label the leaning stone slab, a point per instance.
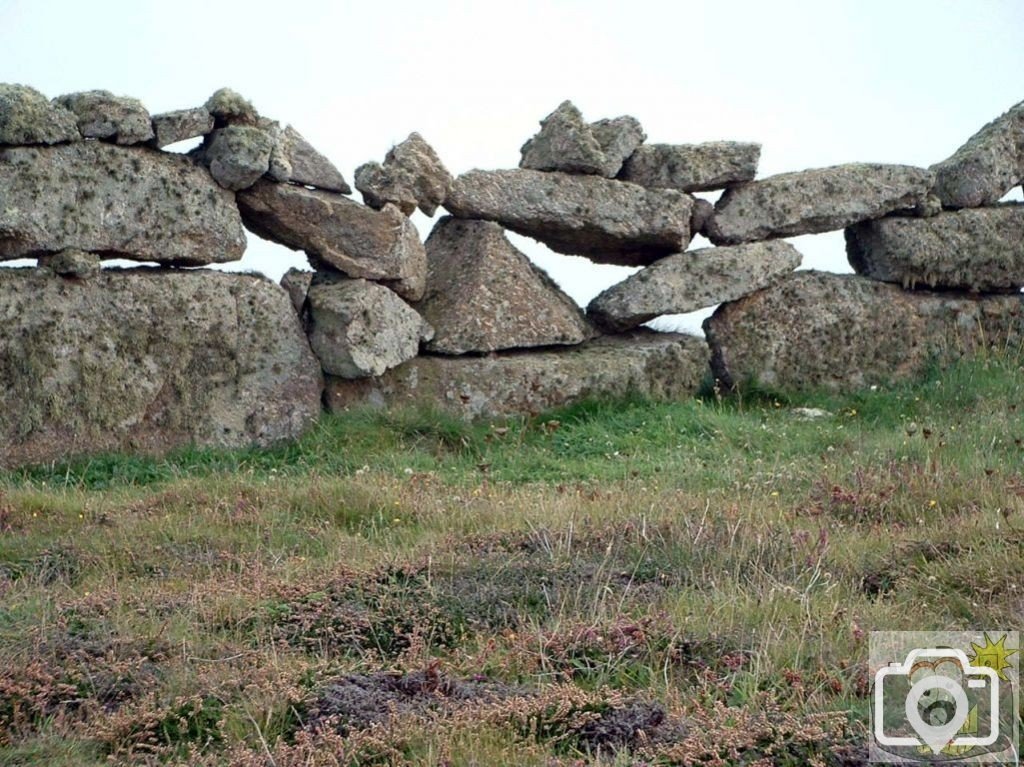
(606, 221)
(358, 328)
(484, 295)
(294, 160)
(102, 115)
(129, 202)
(147, 360)
(692, 167)
(693, 280)
(181, 125)
(339, 233)
(988, 166)
(979, 249)
(296, 283)
(661, 366)
(846, 332)
(28, 117)
(412, 175)
(818, 200)
(619, 138)
(238, 155)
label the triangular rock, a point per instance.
(484, 295)
(566, 143)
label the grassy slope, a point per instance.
(717, 562)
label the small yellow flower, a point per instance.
(933, 503)
(774, 493)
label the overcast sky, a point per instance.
(816, 83)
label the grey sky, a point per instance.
(817, 83)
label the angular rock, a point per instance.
(412, 175)
(619, 138)
(238, 155)
(28, 117)
(985, 168)
(296, 283)
(606, 221)
(484, 295)
(72, 263)
(102, 115)
(129, 202)
(358, 328)
(181, 125)
(661, 366)
(845, 332)
(693, 280)
(231, 108)
(979, 249)
(692, 167)
(339, 233)
(703, 211)
(294, 160)
(148, 360)
(818, 200)
(565, 143)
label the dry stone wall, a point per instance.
(153, 358)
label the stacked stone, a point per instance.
(939, 268)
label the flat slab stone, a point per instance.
(339, 233)
(818, 200)
(978, 249)
(483, 294)
(102, 115)
(662, 366)
(28, 117)
(985, 168)
(692, 167)
(294, 160)
(845, 332)
(127, 202)
(358, 328)
(148, 360)
(693, 280)
(181, 125)
(607, 221)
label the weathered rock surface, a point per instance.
(693, 280)
(846, 332)
(229, 107)
(131, 202)
(296, 283)
(971, 249)
(238, 155)
(484, 295)
(72, 263)
(358, 328)
(564, 143)
(692, 167)
(181, 125)
(148, 360)
(818, 200)
(102, 115)
(339, 233)
(619, 138)
(985, 168)
(28, 117)
(607, 221)
(412, 175)
(662, 366)
(703, 211)
(293, 159)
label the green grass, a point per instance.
(707, 570)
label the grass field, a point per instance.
(617, 583)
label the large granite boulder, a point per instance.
(28, 117)
(483, 295)
(818, 200)
(102, 115)
(148, 360)
(845, 332)
(339, 233)
(607, 221)
(693, 280)
(411, 176)
(129, 202)
(692, 167)
(662, 366)
(971, 249)
(294, 160)
(358, 328)
(237, 155)
(988, 166)
(181, 125)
